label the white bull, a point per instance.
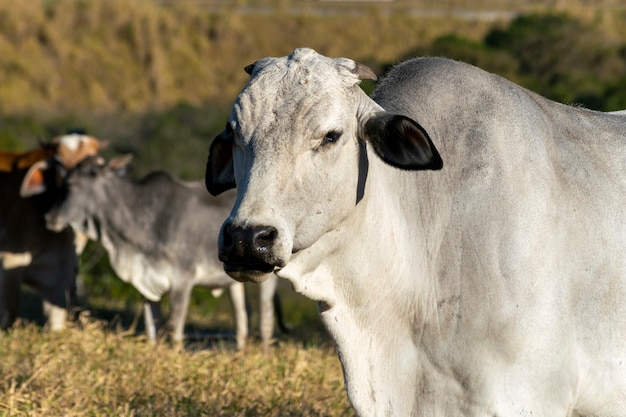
(493, 287)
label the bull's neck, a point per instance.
(123, 218)
(396, 248)
(385, 289)
(384, 250)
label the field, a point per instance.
(156, 78)
(91, 370)
(102, 365)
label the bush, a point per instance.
(176, 140)
(23, 132)
(554, 55)
(561, 58)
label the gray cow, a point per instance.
(156, 232)
(464, 237)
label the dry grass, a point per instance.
(88, 370)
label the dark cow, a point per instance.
(29, 252)
(156, 232)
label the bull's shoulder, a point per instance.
(197, 191)
(159, 188)
(427, 70)
(155, 179)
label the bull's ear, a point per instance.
(257, 65)
(364, 72)
(220, 174)
(402, 142)
(34, 182)
(120, 164)
(249, 69)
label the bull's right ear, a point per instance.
(220, 175)
(119, 164)
(34, 182)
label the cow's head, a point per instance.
(83, 193)
(75, 147)
(293, 147)
(67, 150)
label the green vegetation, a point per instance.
(555, 55)
(103, 56)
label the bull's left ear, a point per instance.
(401, 142)
(34, 182)
(364, 72)
(220, 174)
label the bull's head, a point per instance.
(293, 147)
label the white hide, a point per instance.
(494, 287)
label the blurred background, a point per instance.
(157, 78)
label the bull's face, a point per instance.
(294, 148)
(77, 201)
(84, 193)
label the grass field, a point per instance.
(102, 364)
(91, 370)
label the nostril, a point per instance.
(264, 237)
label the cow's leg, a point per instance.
(10, 286)
(237, 297)
(152, 319)
(179, 304)
(55, 314)
(266, 313)
(55, 303)
(55, 281)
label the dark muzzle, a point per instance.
(248, 250)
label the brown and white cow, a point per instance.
(29, 252)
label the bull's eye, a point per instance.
(331, 137)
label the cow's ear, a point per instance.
(220, 174)
(401, 142)
(120, 164)
(249, 69)
(257, 65)
(364, 72)
(34, 181)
